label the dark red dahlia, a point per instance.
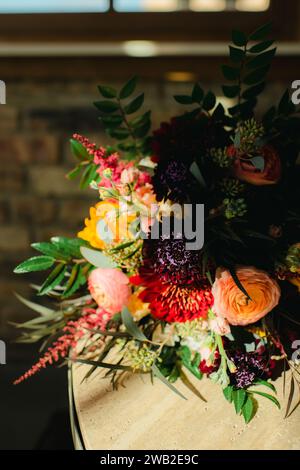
(171, 302)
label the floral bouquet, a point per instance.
(189, 262)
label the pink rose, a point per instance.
(231, 303)
(109, 288)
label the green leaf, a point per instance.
(248, 409)
(74, 173)
(184, 99)
(79, 151)
(239, 38)
(88, 175)
(75, 280)
(160, 376)
(140, 120)
(261, 33)
(112, 121)
(96, 258)
(143, 130)
(239, 397)
(135, 104)
(128, 88)
(266, 384)
(37, 263)
(253, 91)
(190, 386)
(44, 311)
(269, 116)
(104, 365)
(106, 106)
(236, 55)
(69, 247)
(258, 162)
(269, 397)
(48, 249)
(230, 73)
(53, 279)
(209, 101)
(231, 91)
(261, 59)
(131, 326)
(120, 133)
(260, 47)
(228, 393)
(197, 93)
(284, 104)
(195, 170)
(291, 396)
(256, 76)
(219, 112)
(107, 91)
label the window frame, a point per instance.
(118, 26)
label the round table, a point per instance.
(143, 416)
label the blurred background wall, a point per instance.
(51, 64)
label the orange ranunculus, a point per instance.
(245, 171)
(231, 303)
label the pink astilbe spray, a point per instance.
(74, 331)
(112, 162)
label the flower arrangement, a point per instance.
(228, 308)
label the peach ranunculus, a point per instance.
(231, 303)
(109, 288)
(245, 171)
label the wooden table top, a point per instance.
(145, 416)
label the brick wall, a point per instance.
(36, 201)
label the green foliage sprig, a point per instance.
(116, 116)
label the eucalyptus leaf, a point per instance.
(131, 326)
(258, 162)
(96, 258)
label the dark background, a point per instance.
(50, 91)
